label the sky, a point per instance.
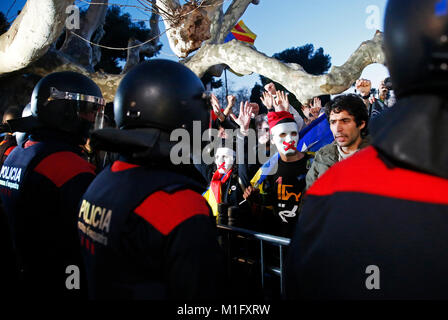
(339, 27)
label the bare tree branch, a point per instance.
(74, 45)
(133, 57)
(232, 15)
(244, 59)
(148, 49)
(215, 13)
(187, 26)
(39, 24)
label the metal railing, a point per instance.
(263, 239)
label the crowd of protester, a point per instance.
(92, 188)
(244, 193)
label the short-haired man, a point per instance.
(348, 117)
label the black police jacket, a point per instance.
(146, 234)
(40, 188)
(374, 226)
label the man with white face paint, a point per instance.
(228, 180)
(283, 189)
(224, 160)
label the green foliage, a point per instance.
(119, 28)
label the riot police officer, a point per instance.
(43, 180)
(146, 231)
(374, 226)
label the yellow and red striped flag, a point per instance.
(242, 33)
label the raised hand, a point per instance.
(267, 99)
(317, 106)
(231, 100)
(244, 117)
(282, 102)
(363, 86)
(217, 107)
(270, 87)
(255, 108)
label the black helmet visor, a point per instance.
(89, 108)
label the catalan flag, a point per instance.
(213, 193)
(242, 33)
(270, 167)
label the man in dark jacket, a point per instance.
(374, 226)
(43, 181)
(145, 229)
(348, 122)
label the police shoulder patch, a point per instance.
(165, 211)
(62, 166)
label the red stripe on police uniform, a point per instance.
(60, 167)
(8, 151)
(364, 172)
(121, 166)
(165, 211)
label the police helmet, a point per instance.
(160, 94)
(416, 45)
(68, 102)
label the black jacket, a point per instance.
(374, 226)
(41, 185)
(146, 233)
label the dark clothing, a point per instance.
(40, 187)
(374, 226)
(8, 268)
(147, 234)
(231, 190)
(376, 108)
(6, 146)
(283, 191)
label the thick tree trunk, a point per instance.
(77, 47)
(245, 59)
(187, 33)
(38, 25)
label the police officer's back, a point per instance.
(374, 226)
(43, 180)
(146, 231)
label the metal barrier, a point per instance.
(263, 239)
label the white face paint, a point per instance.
(285, 137)
(224, 156)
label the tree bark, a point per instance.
(25, 43)
(78, 48)
(38, 25)
(187, 26)
(245, 59)
(148, 49)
